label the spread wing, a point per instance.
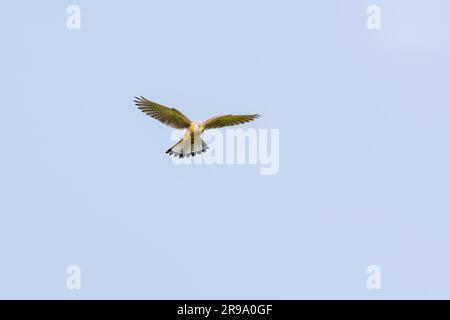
(170, 116)
(228, 120)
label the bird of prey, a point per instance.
(191, 143)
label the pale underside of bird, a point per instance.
(191, 143)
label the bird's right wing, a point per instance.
(169, 116)
(228, 120)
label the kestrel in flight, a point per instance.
(191, 143)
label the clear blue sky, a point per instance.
(364, 154)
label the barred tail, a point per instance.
(188, 147)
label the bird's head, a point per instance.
(199, 126)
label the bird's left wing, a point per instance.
(169, 116)
(228, 120)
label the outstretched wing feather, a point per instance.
(169, 116)
(228, 120)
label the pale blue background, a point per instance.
(364, 152)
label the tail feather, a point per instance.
(187, 148)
